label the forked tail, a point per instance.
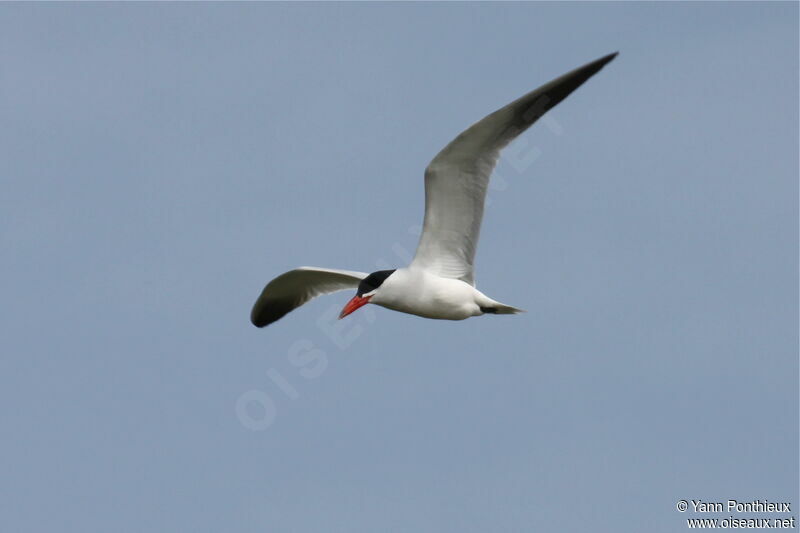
(497, 308)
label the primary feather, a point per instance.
(457, 178)
(292, 289)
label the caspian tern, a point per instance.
(439, 282)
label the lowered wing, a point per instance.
(292, 289)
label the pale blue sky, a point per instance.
(162, 162)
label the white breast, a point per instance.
(415, 291)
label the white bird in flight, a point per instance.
(439, 282)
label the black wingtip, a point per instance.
(576, 77)
(605, 59)
(256, 319)
(263, 315)
(266, 312)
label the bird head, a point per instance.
(368, 287)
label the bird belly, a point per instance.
(431, 297)
(432, 311)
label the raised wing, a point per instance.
(457, 178)
(294, 288)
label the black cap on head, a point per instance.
(373, 281)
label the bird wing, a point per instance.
(292, 289)
(457, 178)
